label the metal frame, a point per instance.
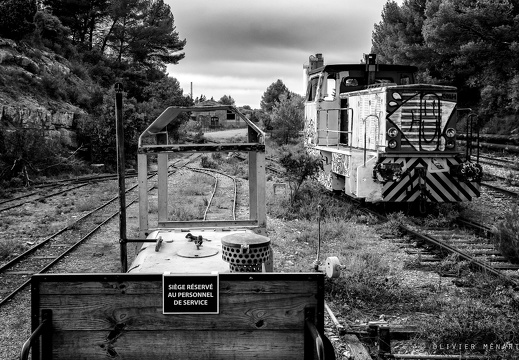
(255, 146)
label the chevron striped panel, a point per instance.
(440, 186)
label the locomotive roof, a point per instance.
(362, 67)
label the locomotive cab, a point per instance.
(384, 138)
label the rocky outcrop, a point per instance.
(21, 110)
(56, 125)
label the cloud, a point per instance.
(239, 48)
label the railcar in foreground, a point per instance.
(196, 289)
(384, 138)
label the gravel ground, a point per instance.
(101, 254)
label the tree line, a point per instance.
(471, 44)
(103, 42)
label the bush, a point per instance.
(299, 166)
(311, 195)
(207, 163)
(28, 153)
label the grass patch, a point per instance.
(198, 184)
(188, 210)
(482, 317)
(10, 247)
(86, 204)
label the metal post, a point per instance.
(384, 340)
(121, 174)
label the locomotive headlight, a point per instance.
(392, 132)
(450, 132)
(392, 144)
(450, 144)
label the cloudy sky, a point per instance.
(239, 48)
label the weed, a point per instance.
(207, 163)
(510, 178)
(413, 263)
(188, 212)
(153, 208)
(507, 235)
(394, 224)
(451, 265)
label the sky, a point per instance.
(238, 48)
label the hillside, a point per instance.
(32, 91)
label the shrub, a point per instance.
(207, 163)
(311, 196)
(299, 166)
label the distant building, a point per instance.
(217, 118)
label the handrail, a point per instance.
(34, 336)
(365, 133)
(321, 344)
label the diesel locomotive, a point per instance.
(384, 138)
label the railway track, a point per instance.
(223, 185)
(46, 190)
(465, 241)
(35, 196)
(15, 273)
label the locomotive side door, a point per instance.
(310, 130)
(328, 110)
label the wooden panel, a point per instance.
(262, 316)
(184, 345)
(294, 283)
(144, 312)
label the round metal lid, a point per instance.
(250, 239)
(190, 251)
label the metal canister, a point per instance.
(246, 252)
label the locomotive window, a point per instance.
(351, 84)
(312, 89)
(330, 89)
(405, 80)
